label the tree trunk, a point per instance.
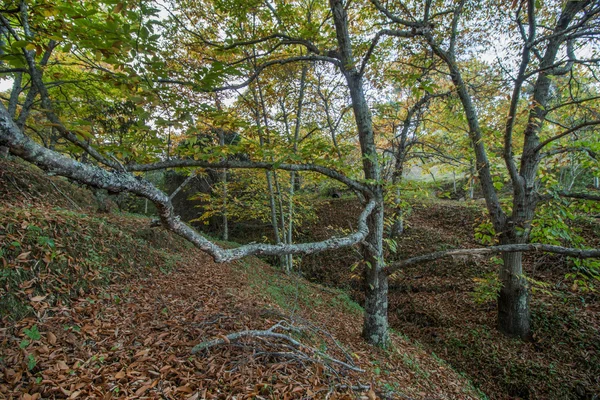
(398, 225)
(513, 302)
(375, 327)
(223, 179)
(224, 206)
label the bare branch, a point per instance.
(507, 248)
(270, 333)
(565, 133)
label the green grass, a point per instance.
(344, 301)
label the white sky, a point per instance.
(5, 84)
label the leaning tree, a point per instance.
(229, 45)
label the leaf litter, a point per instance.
(129, 333)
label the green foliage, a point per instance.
(33, 333)
(344, 301)
(484, 232)
(31, 362)
(556, 224)
(486, 288)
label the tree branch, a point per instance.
(394, 18)
(270, 333)
(508, 248)
(177, 163)
(257, 72)
(565, 133)
(562, 150)
(288, 40)
(582, 196)
(117, 181)
(385, 32)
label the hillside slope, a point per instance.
(449, 305)
(102, 306)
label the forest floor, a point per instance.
(103, 306)
(448, 306)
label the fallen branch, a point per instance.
(270, 333)
(64, 195)
(507, 248)
(250, 333)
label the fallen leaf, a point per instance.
(185, 389)
(371, 394)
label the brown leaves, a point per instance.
(133, 339)
(51, 337)
(140, 345)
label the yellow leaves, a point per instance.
(49, 12)
(84, 131)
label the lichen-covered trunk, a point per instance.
(513, 302)
(375, 328)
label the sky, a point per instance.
(5, 84)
